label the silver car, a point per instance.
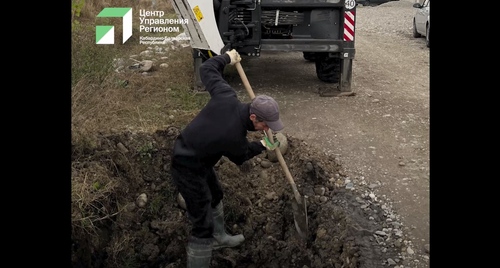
(422, 20)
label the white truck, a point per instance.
(324, 30)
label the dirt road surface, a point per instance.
(381, 135)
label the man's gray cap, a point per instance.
(267, 108)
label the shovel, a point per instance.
(299, 203)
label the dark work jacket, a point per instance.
(220, 129)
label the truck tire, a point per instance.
(328, 69)
(309, 56)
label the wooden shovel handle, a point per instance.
(296, 193)
(245, 80)
(270, 134)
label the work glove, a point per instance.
(234, 55)
(266, 142)
(246, 166)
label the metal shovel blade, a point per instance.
(300, 216)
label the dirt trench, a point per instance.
(348, 225)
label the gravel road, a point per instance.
(380, 135)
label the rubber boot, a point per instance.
(199, 252)
(223, 239)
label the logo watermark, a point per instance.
(158, 40)
(150, 21)
(105, 34)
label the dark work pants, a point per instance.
(201, 190)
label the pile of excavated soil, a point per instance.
(143, 225)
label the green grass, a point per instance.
(106, 101)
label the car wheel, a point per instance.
(415, 33)
(427, 43)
